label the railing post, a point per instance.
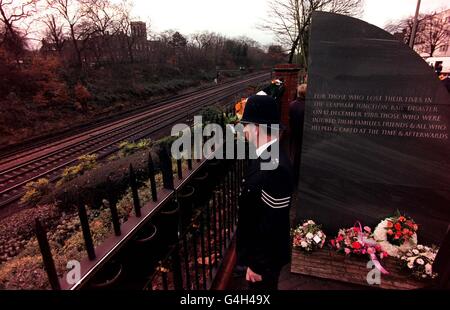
(215, 223)
(113, 208)
(186, 262)
(176, 267)
(151, 174)
(134, 190)
(84, 222)
(179, 169)
(202, 249)
(194, 251)
(166, 169)
(47, 257)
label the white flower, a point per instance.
(304, 244)
(320, 234)
(420, 247)
(317, 239)
(311, 222)
(428, 269)
(410, 264)
(420, 261)
(415, 252)
(309, 236)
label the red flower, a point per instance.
(356, 245)
(398, 234)
(405, 231)
(409, 223)
(398, 226)
(389, 224)
(402, 219)
(333, 242)
(390, 232)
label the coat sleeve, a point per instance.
(272, 241)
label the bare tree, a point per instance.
(74, 14)
(433, 34)
(105, 19)
(13, 12)
(124, 27)
(54, 32)
(289, 20)
(404, 27)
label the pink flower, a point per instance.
(368, 229)
(347, 251)
(371, 251)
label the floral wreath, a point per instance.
(396, 235)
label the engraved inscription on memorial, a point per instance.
(399, 116)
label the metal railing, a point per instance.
(175, 241)
(194, 260)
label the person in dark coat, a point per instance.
(263, 232)
(296, 121)
(446, 81)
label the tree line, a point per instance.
(433, 32)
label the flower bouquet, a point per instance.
(308, 236)
(396, 234)
(358, 241)
(419, 261)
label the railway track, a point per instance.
(47, 160)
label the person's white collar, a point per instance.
(264, 147)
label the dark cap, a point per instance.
(261, 109)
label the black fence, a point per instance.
(176, 241)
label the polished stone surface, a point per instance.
(376, 136)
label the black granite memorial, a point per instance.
(376, 135)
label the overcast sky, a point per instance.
(240, 17)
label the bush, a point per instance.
(24, 273)
(86, 163)
(210, 114)
(34, 191)
(93, 185)
(127, 148)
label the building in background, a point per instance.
(107, 48)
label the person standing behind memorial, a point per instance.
(445, 78)
(296, 120)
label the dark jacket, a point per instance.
(263, 232)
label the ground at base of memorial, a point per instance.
(292, 281)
